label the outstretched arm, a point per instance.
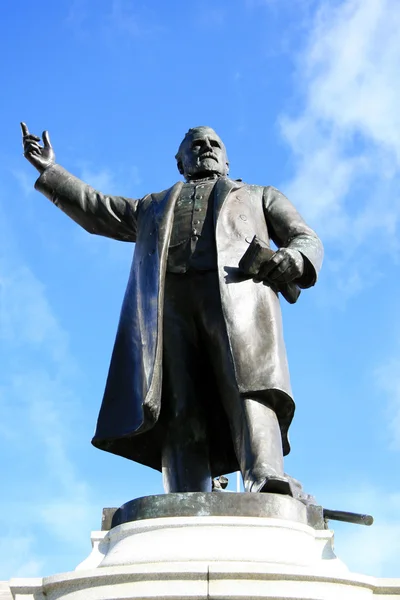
(110, 216)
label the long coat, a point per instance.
(130, 411)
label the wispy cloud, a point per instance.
(18, 556)
(24, 181)
(77, 14)
(111, 182)
(346, 146)
(388, 379)
(369, 550)
(211, 16)
(124, 17)
(39, 418)
(123, 181)
(111, 17)
(344, 137)
(100, 179)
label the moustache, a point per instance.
(208, 155)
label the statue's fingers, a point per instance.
(46, 139)
(35, 138)
(32, 147)
(30, 139)
(24, 129)
(269, 267)
(288, 275)
(29, 153)
(271, 264)
(275, 273)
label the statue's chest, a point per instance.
(193, 211)
(242, 213)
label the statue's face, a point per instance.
(202, 153)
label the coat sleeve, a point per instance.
(287, 229)
(110, 216)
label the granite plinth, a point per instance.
(196, 581)
(208, 555)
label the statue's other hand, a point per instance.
(40, 157)
(284, 266)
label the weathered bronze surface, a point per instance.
(347, 517)
(198, 383)
(199, 504)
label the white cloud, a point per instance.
(388, 379)
(25, 315)
(122, 182)
(345, 136)
(18, 557)
(102, 179)
(24, 181)
(370, 550)
(352, 64)
(39, 421)
(111, 182)
(127, 19)
(67, 517)
(114, 17)
(373, 550)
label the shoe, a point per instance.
(273, 485)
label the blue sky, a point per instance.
(306, 96)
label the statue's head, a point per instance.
(202, 153)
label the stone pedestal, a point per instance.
(210, 546)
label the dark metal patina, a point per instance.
(200, 504)
(198, 383)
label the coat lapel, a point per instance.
(223, 188)
(164, 217)
(164, 209)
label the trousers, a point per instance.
(200, 397)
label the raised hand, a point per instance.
(284, 266)
(40, 157)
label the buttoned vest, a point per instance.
(192, 244)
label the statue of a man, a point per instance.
(198, 384)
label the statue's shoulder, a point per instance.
(159, 196)
(267, 191)
(252, 188)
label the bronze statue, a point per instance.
(198, 384)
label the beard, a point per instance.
(202, 166)
(208, 164)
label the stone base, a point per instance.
(211, 556)
(216, 539)
(198, 581)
